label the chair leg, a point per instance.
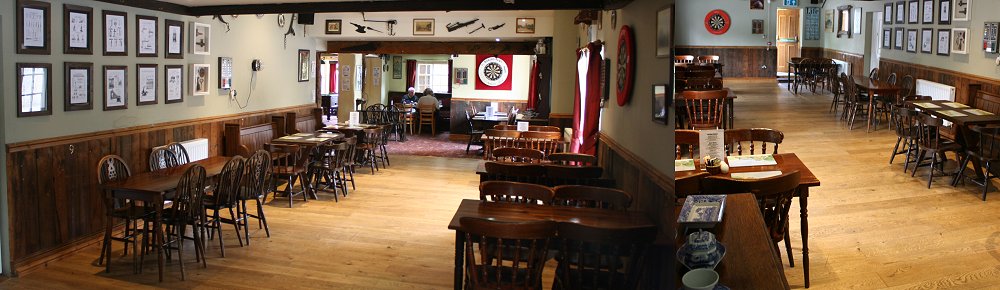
(961, 170)
(895, 149)
(236, 225)
(788, 249)
(930, 175)
(916, 163)
(986, 180)
(261, 217)
(218, 228)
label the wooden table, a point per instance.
(874, 87)
(965, 136)
(521, 212)
(151, 188)
(787, 162)
(750, 261)
(308, 139)
(728, 113)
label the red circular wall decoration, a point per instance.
(717, 22)
(626, 64)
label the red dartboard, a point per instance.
(626, 65)
(717, 22)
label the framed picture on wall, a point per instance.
(911, 40)
(200, 73)
(664, 32)
(115, 25)
(928, 11)
(887, 13)
(34, 89)
(145, 84)
(661, 105)
(901, 12)
(844, 21)
(913, 12)
(757, 26)
(423, 26)
(927, 40)
(115, 82)
(201, 38)
(887, 38)
(173, 78)
(856, 15)
(756, 4)
(33, 27)
(78, 28)
(397, 67)
(79, 91)
(333, 26)
(145, 35)
(174, 39)
(961, 10)
(461, 76)
(960, 40)
(944, 41)
(525, 25)
(944, 12)
(303, 65)
(899, 38)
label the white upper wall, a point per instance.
(404, 25)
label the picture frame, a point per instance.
(911, 40)
(913, 12)
(829, 21)
(960, 40)
(397, 67)
(756, 4)
(146, 84)
(303, 72)
(225, 73)
(990, 36)
(200, 74)
(928, 12)
(887, 13)
(461, 76)
(757, 26)
(37, 100)
(845, 21)
(34, 27)
(664, 32)
(79, 90)
(901, 12)
(944, 12)
(944, 42)
(114, 26)
(201, 38)
(334, 26)
(78, 29)
(899, 38)
(661, 103)
(173, 39)
(115, 87)
(962, 10)
(856, 25)
(927, 40)
(887, 38)
(525, 25)
(423, 26)
(173, 80)
(146, 28)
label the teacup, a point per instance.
(700, 279)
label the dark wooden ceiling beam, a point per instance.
(430, 47)
(152, 5)
(404, 5)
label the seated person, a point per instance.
(411, 96)
(429, 100)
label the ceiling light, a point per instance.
(498, 39)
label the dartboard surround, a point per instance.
(717, 22)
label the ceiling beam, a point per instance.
(404, 5)
(152, 5)
(430, 47)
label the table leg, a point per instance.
(804, 222)
(459, 257)
(157, 236)
(871, 109)
(732, 112)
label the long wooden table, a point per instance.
(521, 212)
(965, 136)
(787, 162)
(309, 139)
(751, 261)
(874, 88)
(151, 188)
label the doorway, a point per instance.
(788, 42)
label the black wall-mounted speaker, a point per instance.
(307, 18)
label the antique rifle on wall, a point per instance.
(497, 27)
(459, 25)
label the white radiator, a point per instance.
(936, 91)
(845, 67)
(197, 149)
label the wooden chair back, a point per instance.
(520, 172)
(180, 152)
(683, 59)
(708, 59)
(256, 175)
(511, 154)
(591, 197)
(515, 192)
(704, 108)
(602, 258)
(774, 196)
(929, 132)
(701, 84)
(687, 143)
(904, 121)
(112, 168)
(577, 159)
(873, 74)
(850, 90)
(906, 85)
(547, 142)
(892, 79)
(533, 128)
(757, 139)
(161, 158)
(230, 182)
(289, 159)
(497, 139)
(506, 255)
(987, 102)
(189, 195)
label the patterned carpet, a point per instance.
(425, 145)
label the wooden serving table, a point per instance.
(522, 212)
(787, 162)
(151, 188)
(751, 261)
(874, 88)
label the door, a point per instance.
(788, 37)
(874, 43)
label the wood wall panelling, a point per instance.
(739, 61)
(857, 61)
(431, 47)
(959, 80)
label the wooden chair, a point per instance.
(904, 121)
(515, 192)
(906, 86)
(520, 172)
(256, 178)
(689, 185)
(601, 258)
(547, 142)
(161, 158)
(704, 108)
(701, 84)
(837, 89)
(574, 175)
(687, 143)
(475, 135)
(526, 155)
(406, 116)
(774, 196)
(290, 168)
(328, 163)
(225, 196)
(930, 141)
(506, 255)
(757, 139)
(497, 139)
(591, 197)
(427, 118)
(180, 152)
(873, 74)
(187, 210)
(370, 149)
(349, 162)
(113, 168)
(708, 59)
(577, 159)
(987, 102)
(854, 103)
(987, 152)
(892, 79)
(683, 59)
(533, 128)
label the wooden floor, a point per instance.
(872, 227)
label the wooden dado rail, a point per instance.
(55, 204)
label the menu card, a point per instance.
(317, 139)
(302, 134)
(952, 113)
(354, 119)
(712, 143)
(522, 126)
(955, 105)
(978, 112)
(927, 105)
(751, 160)
(290, 138)
(755, 175)
(684, 165)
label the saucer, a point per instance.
(684, 256)
(717, 287)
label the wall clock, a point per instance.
(493, 71)
(717, 22)
(626, 64)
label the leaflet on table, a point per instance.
(755, 175)
(684, 165)
(752, 160)
(712, 143)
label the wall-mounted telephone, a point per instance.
(256, 65)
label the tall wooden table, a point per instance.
(787, 162)
(874, 88)
(965, 136)
(151, 188)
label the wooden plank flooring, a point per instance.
(872, 227)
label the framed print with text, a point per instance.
(115, 84)
(944, 12)
(145, 35)
(887, 38)
(913, 12)
(79, 90)
(173, 42)
(901, 12)
(115, 38)
(201, 38)
(34, 89)
(960, 40)
(397, 67)
(927, 40)
(911, 40)
(78, 29)
(200, 72)
(303, 71)
(173, 80)
(928, 11)
(145, 85)
(661, 107)
(225, 73)
(943, 41)
(899, 38)
(961, 10)
(34, 27)
(887, 13)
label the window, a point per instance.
(432, 75)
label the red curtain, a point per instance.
(333, 77)
(532, 85)
(587, 102)
(411, 74)
(450, 77)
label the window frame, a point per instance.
(431, 76)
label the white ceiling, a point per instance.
(245, 2)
